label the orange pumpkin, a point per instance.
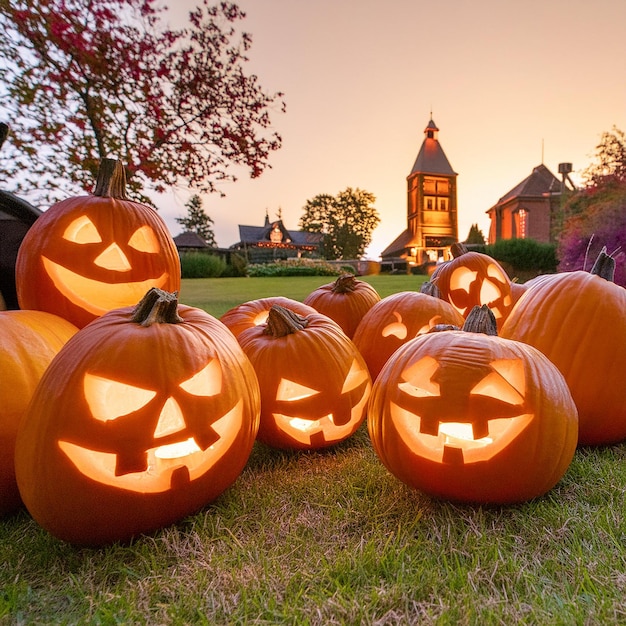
(578, 320)
(314, 383)
(89, 254)
(472, 417)
(28, 342)
(396, 319)
(346, 300)
(472, 279)
(255, 312)
(145, 415)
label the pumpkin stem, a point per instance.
(604, 266)
(157, 307)
(481, 320)
(111, 182)
(282, 322)
(457, 249)
(346, 283)
(430, 289)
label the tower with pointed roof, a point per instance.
(431, 207)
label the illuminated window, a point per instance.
(429, 204)
(443, 204)
(523, 217)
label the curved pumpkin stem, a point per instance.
(430, 289)
(346, 283)
(604, 266)
(111, 182)
(157, 307)
(282, 322)
(458, 249)
(481, 320)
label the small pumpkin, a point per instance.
(472, 417)
(255, 312)
(145, 415)
(396, 319)
(89, 254)
(28, 342)
(314, 382)
(346, 300)
(472, 279)
(578, 320)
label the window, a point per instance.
(523, 223)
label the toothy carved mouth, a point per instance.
(169, 467)
(94, 296)
(454, 442)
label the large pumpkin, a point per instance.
(346, 300)
(145, 415)
(28, 342)
(473, 417)
(255, 312)
(578, 320)
(314, 383)
(396, 319)
(89, 254)
(472, 279)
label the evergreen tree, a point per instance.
(197, 221)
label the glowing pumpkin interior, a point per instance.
(453, 418)
(175, 456)
(399, 329)
(301, 418)
(97, 296)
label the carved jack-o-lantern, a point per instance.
(87, 255)
(472, 279)
(314, 383)
(255, 312)
(471, 417)
(396, 319)
(146, 416)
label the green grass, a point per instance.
(330, 537)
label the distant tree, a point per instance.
(610, 159)
(80, 81)
(597, 219)
(346, 220)
(197, 221)
(475, 235)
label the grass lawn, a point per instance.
(330, 537)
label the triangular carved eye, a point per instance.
(144, 240)
(82, 230)
(507, 382)
(417, 379)
(109, 399)
(207, 382)
(288, 390)
(356, 376)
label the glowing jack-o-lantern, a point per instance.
(473, 417)
(396, 319)
(346, 300)
(255, 312)
(89, 254)
(314, 383)
(28, 342)
(145, 416)
(472, 279)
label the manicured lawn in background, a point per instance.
(330, 537)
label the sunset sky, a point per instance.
(510, 85)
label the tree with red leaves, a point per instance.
(81, 80)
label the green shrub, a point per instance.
(294, 267)
(524, 255)
(201, 265)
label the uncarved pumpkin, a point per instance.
(346, 300)
(28, 342)
(89, 254)
(314, 382)
(146, 415)
(472, 417)
(578, 320)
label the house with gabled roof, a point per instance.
(431, 207)
(530, 209)
(273, 241)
